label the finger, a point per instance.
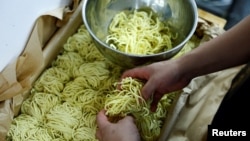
(98, 134)
(135, 73)
(102, 119)
(148, 90)
(156, 98)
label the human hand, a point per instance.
(124, 130)
(161, 78)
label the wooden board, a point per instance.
(221, 22)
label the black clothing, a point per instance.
(233, 113)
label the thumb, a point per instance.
(127, 119)
(102, 119)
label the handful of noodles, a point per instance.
(139, 32)
(128, 101)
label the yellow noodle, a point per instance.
(79, 41)
(92, 75)
(39, 104)
(86, 128)
(66, 98)
(25, 127)
(68, 61)
(97, 68)
(125, 101)
(82, 44)
(85, 97)
(91, 54)
(149, 127)
(29, 107)
(128, 100)
(63, 119)
(52, 81)
(70, 90)
(85, 134)
(88, 97)
(138, 32)
(88, 120)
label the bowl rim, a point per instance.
(179, 46)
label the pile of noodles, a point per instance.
(140, 33)
(66, 98)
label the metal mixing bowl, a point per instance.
(97, 15)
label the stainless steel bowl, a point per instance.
(97, 15)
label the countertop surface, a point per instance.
(17, 20)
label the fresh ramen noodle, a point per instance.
(140, 33)
(129, 101)
(80, 82)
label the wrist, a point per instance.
(185, 68)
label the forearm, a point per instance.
(228, 50)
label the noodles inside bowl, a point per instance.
(140, 32)
(135, 32)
